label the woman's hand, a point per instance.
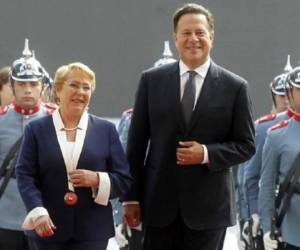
(44, 226)
(84, 178)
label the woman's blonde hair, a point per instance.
(64, 71)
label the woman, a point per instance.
(70, 165)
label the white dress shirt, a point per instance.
(199, 79)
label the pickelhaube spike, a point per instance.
(167, 51)
(167, 56)
(288, 67)
(26, 68)
(26, 52)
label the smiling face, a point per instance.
(75, 93)
(193, 39)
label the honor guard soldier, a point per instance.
(252, 168)
(280, 211)
(27, 80)
(6, 95)
(135, 236)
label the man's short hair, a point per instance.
(192, 8)
(4, 76)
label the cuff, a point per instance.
(130, 203)
(31, 217)
(102, 197)
(205, 158)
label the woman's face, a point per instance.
(75, 94)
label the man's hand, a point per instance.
(269, 244)
(84, 178)
(120, 237)
(44, 226)
(255, 227)
(256, 224)
(132, 214)
(245, 232)
(189, 153)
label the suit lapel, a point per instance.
(207, 93)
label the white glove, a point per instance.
(241, 244)
(245, 231)
(256, 224)
(255, 227)
(269, 243)
(120, 237)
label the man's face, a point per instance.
(296, 99)
(282, 103)
(6, 94)
(27, 94)
(193, 39)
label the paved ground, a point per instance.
(230, 240)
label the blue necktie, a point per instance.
(188, 98)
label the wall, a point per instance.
(118, 39)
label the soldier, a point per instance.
(27, 77)
(279, 153)
(252, 168)
(6, 95)
(134, 236)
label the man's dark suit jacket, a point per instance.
(222, 120)
(42, 178)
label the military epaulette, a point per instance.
(3, 110)
(50, 107)
(266, 118)
(280, 124)
(129, 111)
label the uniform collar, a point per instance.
(296, 117)
(24, 111)
(290, 112)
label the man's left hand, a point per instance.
(189, 153)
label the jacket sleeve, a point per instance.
(26, 171)
(239, 146)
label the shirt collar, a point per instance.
(59, 125)
(201, 70)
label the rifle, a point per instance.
(255, 242)
(282, 201)
(7, 170)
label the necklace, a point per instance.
(70, 129)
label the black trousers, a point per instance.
(39, 244)
(285, 246)
(177, 236)
(12, 240)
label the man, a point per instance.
(183, 183)
(134, 235)
(280, 152)
(6, 95)
(252, 168)
(26, 77)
